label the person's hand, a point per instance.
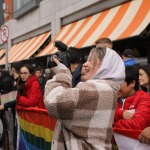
(127, 115)
(56, 60)
(60, 68)
(1, 107)
(144, 137)
(53, 69)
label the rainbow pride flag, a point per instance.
(36, 129)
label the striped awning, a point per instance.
(2, 51)
(25, 49)
(126, 20)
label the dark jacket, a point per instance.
(12, 104)
(6, 82)
(42, 82)
(76, 75)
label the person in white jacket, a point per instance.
(85, 113)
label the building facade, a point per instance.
(30, 18)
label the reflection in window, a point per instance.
(25, 1)
(20, 3)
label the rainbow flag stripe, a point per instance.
(36, 129)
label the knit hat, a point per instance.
(128, 53)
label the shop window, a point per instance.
(23, 7)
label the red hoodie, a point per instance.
(34, 96)
(140, 101)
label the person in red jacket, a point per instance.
(133, 110)
(29, 91)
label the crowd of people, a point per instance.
(90, 100)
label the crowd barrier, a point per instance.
(35, 129)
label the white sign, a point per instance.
(4, 33)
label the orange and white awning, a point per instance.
(126, 20)
(25, 49)
(2, 51)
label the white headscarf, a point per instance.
(111, 68)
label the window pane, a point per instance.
(17, 4)
(26, 1)
(20, 3)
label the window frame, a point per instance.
(25, 9)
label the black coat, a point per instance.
(42, 82)
(76, 75)
(6, 82)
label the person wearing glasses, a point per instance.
(29, 91)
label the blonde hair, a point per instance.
(97, 54)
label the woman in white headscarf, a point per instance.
(85, 113)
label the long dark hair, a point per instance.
(21, 83)
(146, 68)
